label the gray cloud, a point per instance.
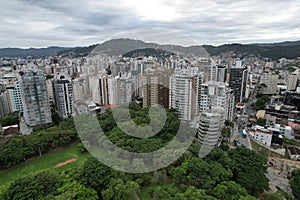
(36, 23)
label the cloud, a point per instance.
(35, 23)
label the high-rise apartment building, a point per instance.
(105, 89)
(4, 102)
(126, 90)
(217, 95)
(113, 90)
(49, 85)
(13, 87)
(79, 89)
(94, 87)
(238, 81)
(35, 100)
(184, 92)
(231, 105)
(268, 83)
(63, 95)
(210, 126)
(219, 73)
(155, 87)
(292, 82)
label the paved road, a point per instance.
(239, 125)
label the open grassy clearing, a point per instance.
(46, 161)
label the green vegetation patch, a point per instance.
(47, 161)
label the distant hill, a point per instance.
(148, 52)
(121, 46)
(34, 52)
(286, 43)
(274, 51)
(76, 51)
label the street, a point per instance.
(241, 124)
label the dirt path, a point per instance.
(65, 163)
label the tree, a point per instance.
(218, 155)
(54, 114)
(163, 192)
(12, 152)
(193, 194)
(295, 183)
(259, 104)
(248, 198)
(200, 174)
(229, 190)
(170, 192)
(261, 121)
(94, 174)
(82, 147)
(20, 148)
(34, 186)
(229, 123)
(48, 185)
(71, 189)
(249, 170)
(273, 196)
(11, 119)
(119, 189)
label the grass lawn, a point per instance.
(46, 161)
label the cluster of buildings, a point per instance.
(25, 91)
(278, 82)
(204, 91)
(196, 87)
(281, 112)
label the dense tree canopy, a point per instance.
(47, 185)
(232, 174)
(260, 103)
(295, 183)
(12, 119)
(249, 170)
(20, 148)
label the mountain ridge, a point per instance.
(288, 49)
(34, 52)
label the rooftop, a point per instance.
(294, 150)
(261, 114)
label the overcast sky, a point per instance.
(42, 23)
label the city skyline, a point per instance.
(73, 23)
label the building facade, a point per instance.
(292, 82)
(13, 88)
(155, 87)
(184, 92)
(219, 73)
(210, 126)
(63, 95)
(238, 81)
(126, 90)
(35, 100)
(4, 102)
(263, 136)
(268, 83)
(217, 95)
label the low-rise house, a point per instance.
(294, 152)
(263, 136)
